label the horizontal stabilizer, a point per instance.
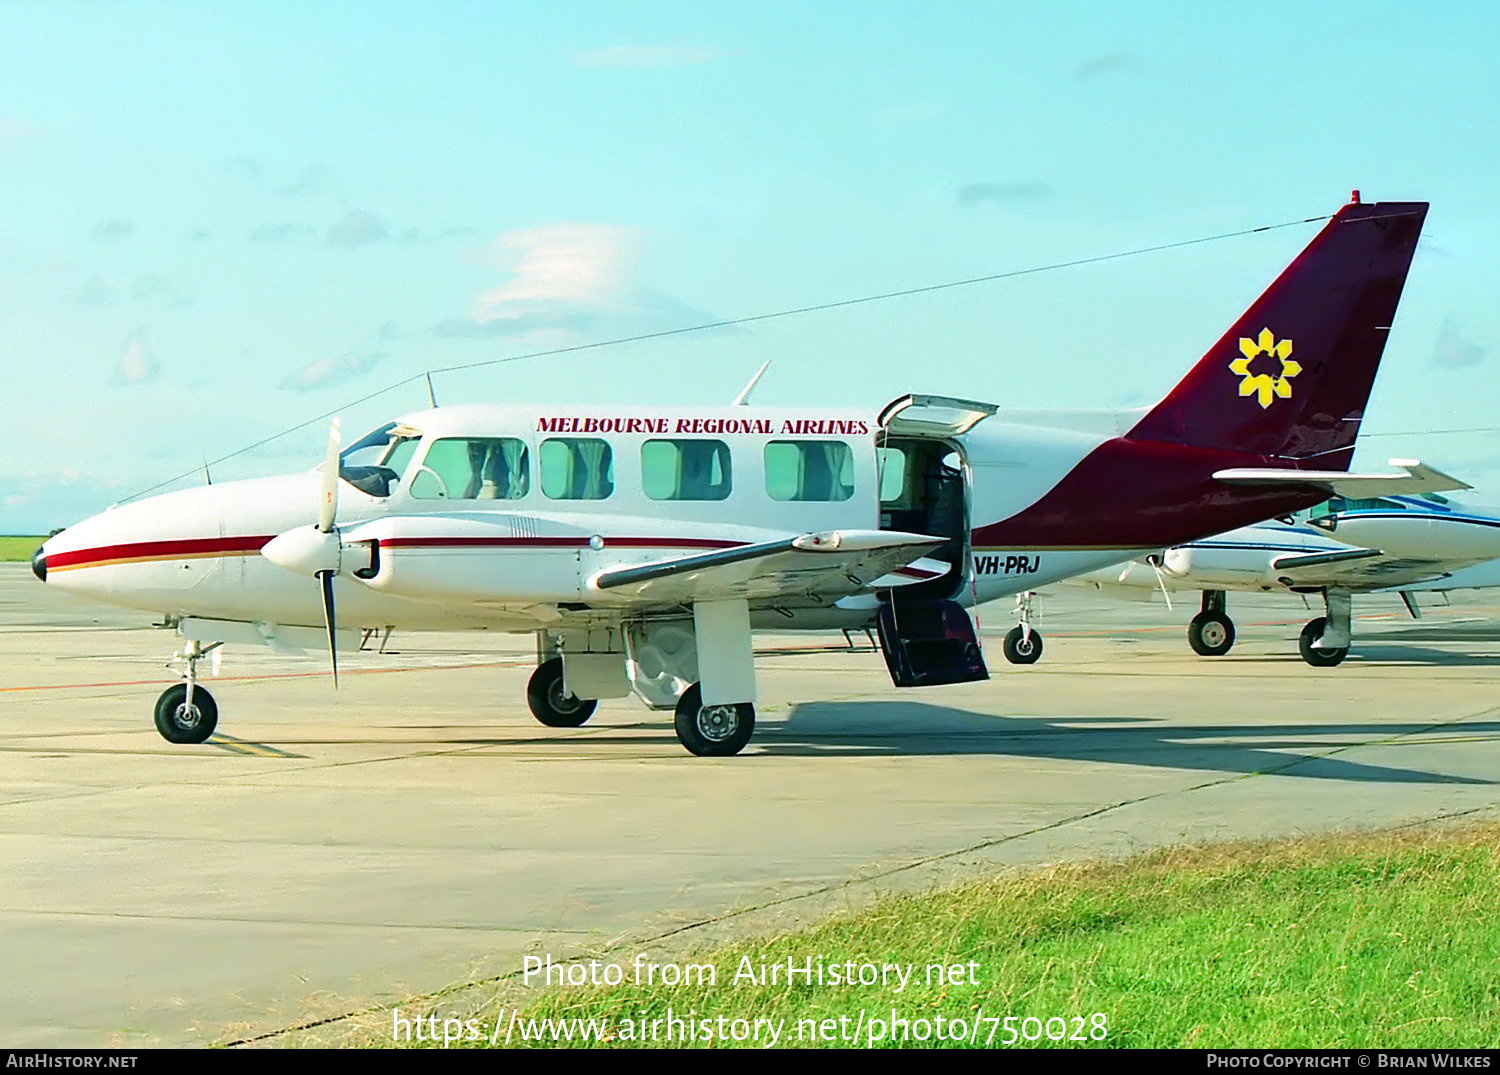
(1419, 478)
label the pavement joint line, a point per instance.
(33, 912)
(266, 676)
(867, 879)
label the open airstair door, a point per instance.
(927, 637)
(929, 643)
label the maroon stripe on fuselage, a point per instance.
(157, 550)
(1129, 494)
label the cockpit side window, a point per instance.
(373, 464)
(473, 468)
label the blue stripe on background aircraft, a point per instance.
(1402, 545)
(642, 546)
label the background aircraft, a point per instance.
(642, 546)
(1398, 544)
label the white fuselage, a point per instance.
(522, 559)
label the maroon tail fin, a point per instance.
(1291, 377)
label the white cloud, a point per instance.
(327, 372)
(137, 364)
(357, 228)
(576, 279)
(558, 270)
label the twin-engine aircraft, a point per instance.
(1400, 544)
(644, 545)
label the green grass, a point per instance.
(18, 548)
(1387, 940)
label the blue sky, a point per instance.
(219, 220)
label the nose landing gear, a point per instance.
(186, 712)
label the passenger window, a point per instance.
(581, 468)
(809, 470)
(685, 469)
(473, 468)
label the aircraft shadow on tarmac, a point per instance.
(1373, 651)
(904, 729)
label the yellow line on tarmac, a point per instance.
(244, 746)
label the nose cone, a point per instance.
(39, 565)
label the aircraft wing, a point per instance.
(1418, 478)
(814, 568)
(1361, 570)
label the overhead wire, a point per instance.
(730, 323)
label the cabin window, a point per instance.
(685, 469)
(809, 470)
(473, 468)
(577, 468)
(1349, 504)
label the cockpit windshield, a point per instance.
(374, 463)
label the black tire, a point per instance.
(1211, 634)
(1019, 650)
(1318, 658)
(180, 724)
(714, 731)
(548, 703)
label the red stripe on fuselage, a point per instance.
(156, 550)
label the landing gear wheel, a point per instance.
(713, 731)
(1210, 634)
(1318, 658)
(1021, 648)
(548, 703)
(179, 722)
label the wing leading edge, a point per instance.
(1361, 569)
(814, 568)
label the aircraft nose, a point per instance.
(39, 565)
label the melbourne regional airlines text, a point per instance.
(825, 427)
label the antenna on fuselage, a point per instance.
(431, 395)
(743, 399)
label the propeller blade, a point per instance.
(331, 621)
(1161, 581)
(329, 505)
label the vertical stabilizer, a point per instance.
(1292, 376)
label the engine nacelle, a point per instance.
(1210, 568)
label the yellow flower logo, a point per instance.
(1264, 383)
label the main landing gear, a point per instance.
(1023, 643)
(1324, 642)
(709, 731)
(186, 712)
(548, 703)
(1211, 632)
(713, 731)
